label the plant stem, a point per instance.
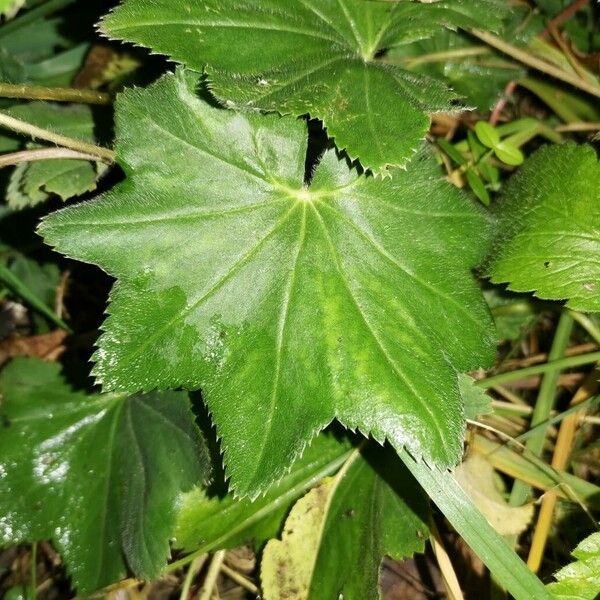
(412, 61)
(33, 580)
(40, 92)
(575, 127)
(545, 401)
(562, 363)
(212, 574)
(15, 158)
(502, 561)
(19, 288)
(38, 133)
(560, 459)
(240, 579)
(193, 570)
(536, 63)
(33, 15)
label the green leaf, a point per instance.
(580, 580)
(352, 519)
(98, 475)
(478, 187)
(451, 151)
(509, 154)
(319, 57)
(487, 134)
(206, 523)
(476, 401)
(32, 183)
(289, 305)
(548, 238)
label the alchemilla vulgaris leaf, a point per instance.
(355, 519)
(99, 475)
(325, 58)
(290, 305)
(549, 228)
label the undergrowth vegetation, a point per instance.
(299, 299)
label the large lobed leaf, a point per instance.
(549, 228)
(336, 536)
(316, 57)
(99, 475)
(290, 305)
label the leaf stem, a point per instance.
(15, 158)
(536, 63)
(562, 363)
(35, 132)
(504, 564)
(40, 92)
(211, 576)
(19, 288)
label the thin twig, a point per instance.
(60, 140)
(193, 570)
(535, 63)
(563, 16)
(15, 158)
(211, 576)
(239, 579)
(57, 94)
(575, 127)
(447, 570)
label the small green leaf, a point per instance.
(365, 512)
(319, 57)
(289, 305)
(487, 134)
(509, 154)
(548, 239)
(32, 183)
(451, 151)
(478, 186)
(581, 579)
(208, 523)
(476, 401)
(97, 474)
(476, 147)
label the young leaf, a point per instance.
(206, 523)
(32, 183)
(488, 135)
(316, 56)
(580, 580)
(97, 474)
(290, 305)
(353, 519)
(476, 401)
(509, 154)
(548, 238)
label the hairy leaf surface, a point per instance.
(549, 228)
(98, 475)
(206, 523)
(289, 305)
(311, 56)
(350, 521)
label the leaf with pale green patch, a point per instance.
(548, 239)
(99, 475)
(289, 304)
(316, 57)
(580, 580)
(370, 509)
(208, 522)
